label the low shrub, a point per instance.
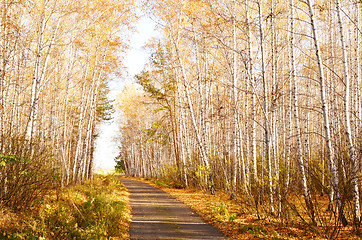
(27, 173)
(97, 210)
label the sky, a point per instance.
(106, 144)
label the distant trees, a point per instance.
(56, 58)
(259, 98)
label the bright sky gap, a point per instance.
(137, 56)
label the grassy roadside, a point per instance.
(239, 222)
(99, 209)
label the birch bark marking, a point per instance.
(182, 134)
(81, 122)
(203, 94)
(235, 112)
(4, 61)
(301, 163)
(357, 66)
(347, 119)
(87, 167)
(358, 71)
(86, 172)
(274, 120)
(254, 171)
(266, 111)
(307, 153)
(325, 107)
(36, 77)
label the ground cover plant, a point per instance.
(97, 209)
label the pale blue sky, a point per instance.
(137, 57)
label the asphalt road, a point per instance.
(157, 215)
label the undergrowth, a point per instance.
(236, 219)
(96, 210)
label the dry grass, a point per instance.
(98, 209)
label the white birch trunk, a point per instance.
(347, 119)
(234, 137)
(265, 116)
(251, 83)
(325, 109)
(300, 159)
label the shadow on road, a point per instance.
(157, 215)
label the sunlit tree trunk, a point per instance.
(234, 137)
(265, 115)
(251, 83)
(182, 134)
(300, 159)
(36, 74)
(325, 108)
(82, 118)
(347, 119)
(41, 65)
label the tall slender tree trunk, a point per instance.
(252, 121)
(325, 108)
(79, 144)
(36, 77)
(4, 62)
(182, 137)
(265, 115)
(274, 144)
(301, 164)
(347, 119)
(234, 137)
(41, 64)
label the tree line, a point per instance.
(56, 58)
(257, 98)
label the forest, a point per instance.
(259, 99)
(256, 99)
(56, 59)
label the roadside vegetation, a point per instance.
(237, 219)
(96, 210)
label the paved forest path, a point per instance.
(157, 215)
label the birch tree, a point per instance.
(325, 109)
(301, 163)
(347, 110)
